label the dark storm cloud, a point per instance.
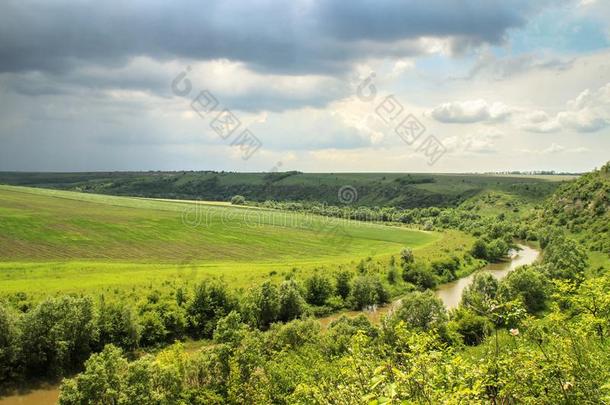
(278, 36)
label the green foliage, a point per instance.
(406, 256)
(342, 283)
(9, 344)
(117, 325)
(262, 305)
(527, 284)
(421, 311)
(341, 331)
(230, 329)
(210, 302)
(368, 290)
(292, 304)
(479, 249)
(480, 296)
(565, 259)
(419, 275)
(318, 289)
(58, 335)
(109, 379)
(238, 200)
(472, 327)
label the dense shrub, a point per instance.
(58, 335)
(262, 305)
(318, 289)
(527, 284)
(210, 302)
(472, 327)
(117, 325)
(342, 283)
(9, 344)
(238, 200)
(292, 304)
(481, 294)
(420, 275)
(368, 290)
(421, 311)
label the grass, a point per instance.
(58, 241)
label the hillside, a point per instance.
(583, 208)
(373, 189)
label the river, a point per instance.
(450, 294)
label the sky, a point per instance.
(315, 86)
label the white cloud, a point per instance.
(471, 111)
(589, 112)
(480, 142)
(554, 149)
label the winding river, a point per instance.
(450, 294)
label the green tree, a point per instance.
(342, 283)
(479, 249)
(210, 302)
(421, 311)
(420, 275)
(565, 259)
(58, 335)
(238, 200)
(262, 305)
(101, 381)
(406, 256)
(481, 294)
(317, 289)
(9, 344)
(292, 304)
(368, 290)
(472, 327)
(117, 325)
(527, 284)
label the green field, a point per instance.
(54, 241)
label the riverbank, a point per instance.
(451, 293)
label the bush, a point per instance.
(565, 259)
(419, 275)
(117, 324)
(238, 200)
(342, 283)
(9, 344)
(479, 249)
(527, 284)
(497, 249)
(406, 256)
(317, 289)
(481, 293)
(472, 327)
(262, 306)
(211, 301)
(421, 311)
(58, 335)
(368, 290)
(292, 304)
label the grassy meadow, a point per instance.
(57, 241)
